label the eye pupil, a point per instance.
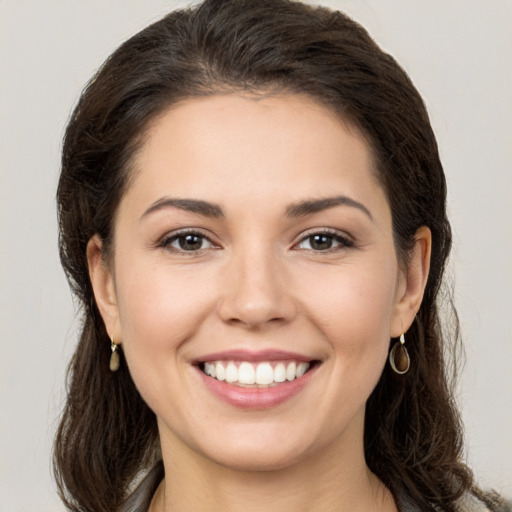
(321, 242)
(190, 242)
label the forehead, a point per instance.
(277, 147)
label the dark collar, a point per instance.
(140, 499)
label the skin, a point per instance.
(258, 283)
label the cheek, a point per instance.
(356, 302)
(158, 309)
(353, 314)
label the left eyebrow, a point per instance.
(310, 206)
(203, 208)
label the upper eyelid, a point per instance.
(187, 231)
(303, 235)
(344, 238)
(325, 231)
(173, 235)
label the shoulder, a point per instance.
(140, 499)
(469, 503)
(485, 502)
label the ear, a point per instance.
(412, 282)
(103, 285)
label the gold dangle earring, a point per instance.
(114, 358)
(399, 357)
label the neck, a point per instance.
(323, 482)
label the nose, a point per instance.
(256, 291)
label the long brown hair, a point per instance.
(107, 433)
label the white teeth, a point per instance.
(220, 373)
(264, 374)
(279, 373)
(209, 369)
(231, 373)
(246, 374)
(261, 374)
(301, 369)
(290, 371)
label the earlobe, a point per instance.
(102, 282)
(415, 280)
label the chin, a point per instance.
(257, 459)
(263, 449)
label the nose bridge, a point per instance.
(255, 290)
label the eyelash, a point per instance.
(167, 241)
(334, 236)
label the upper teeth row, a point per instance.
(262, 373)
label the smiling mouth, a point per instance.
(256, 375)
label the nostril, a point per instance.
(238, 312)
(254, 293)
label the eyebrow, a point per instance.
(308, 207)
(300, 209)
(190, 205)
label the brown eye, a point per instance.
(190, 242)
(324, 242)
(187, 242)
(321, 242)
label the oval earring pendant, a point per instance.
(399, 358)
(114, 359)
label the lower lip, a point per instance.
(256, 398)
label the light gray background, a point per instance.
(459, 54)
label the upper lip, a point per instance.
(253, 356)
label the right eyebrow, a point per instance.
(204, 208)
(308, 207)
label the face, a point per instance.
(255, 284)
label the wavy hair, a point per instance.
(107, 433)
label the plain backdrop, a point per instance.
(458, 53)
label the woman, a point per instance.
(252, 213)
